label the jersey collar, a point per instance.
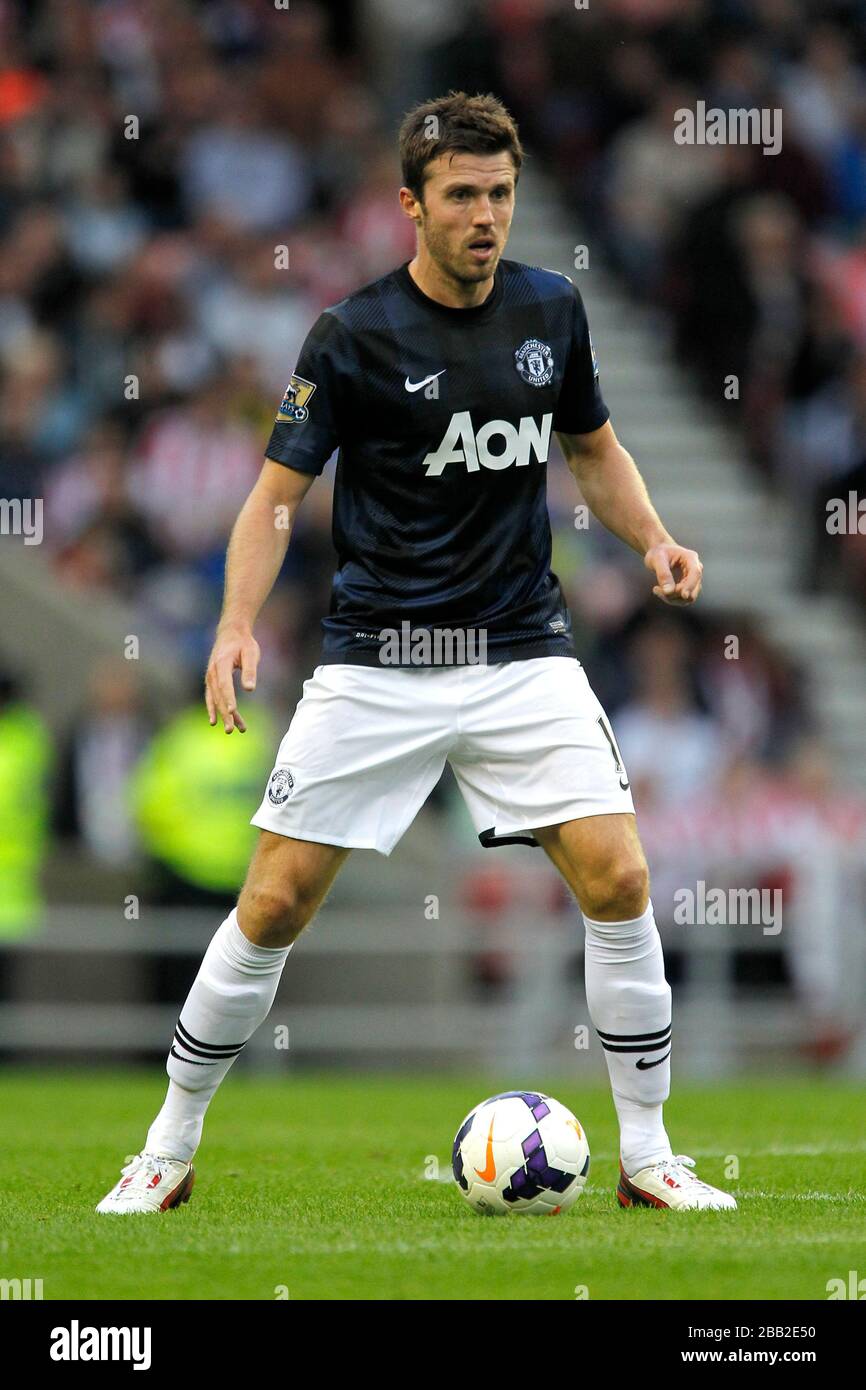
(477, 314)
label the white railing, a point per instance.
(389, 990)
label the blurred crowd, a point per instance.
(183, 187)
(756, 261)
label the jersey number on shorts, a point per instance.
(608, 733)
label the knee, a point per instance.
(273, 916)
(619, 894)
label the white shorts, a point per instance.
(528, 742)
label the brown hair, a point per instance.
(455, 124)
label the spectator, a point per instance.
(234, 167)
(25, 763)
(753, 693)
(193, 469)
(670, 749)
(106, 742)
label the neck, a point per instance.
(437, 284)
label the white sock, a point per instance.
(231, 995)
(630, 1006)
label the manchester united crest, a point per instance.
(534, 361)
(280, 786)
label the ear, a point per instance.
(409, 206)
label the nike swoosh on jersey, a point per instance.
(644, 1065)
(416, 385)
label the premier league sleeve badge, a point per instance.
(293, 410)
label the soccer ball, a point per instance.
(520, 1151)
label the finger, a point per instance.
(217, 700)
(226, 702)
(689, 585)
(663, 573)
(692, 589)
(211, 707)
(674, 600)
(238, 723)
(249, 663)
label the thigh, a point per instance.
(598, 856)
(285, 885)
(283, 868)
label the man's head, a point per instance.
(461, 158)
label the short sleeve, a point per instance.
(307, 429)
(580, 408)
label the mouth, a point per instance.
(482, 248)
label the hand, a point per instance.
(678, 572)
(234, 649)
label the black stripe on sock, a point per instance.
(642, 1047)
(203, 1049)
(214, 1056)
(632, 1037)
(188, 1060)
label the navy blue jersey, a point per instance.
(443, 420)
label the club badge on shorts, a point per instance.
(293, 410)
(534, 361)
(280, 786)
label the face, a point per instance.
(466, 214)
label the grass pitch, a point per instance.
(316, 1187)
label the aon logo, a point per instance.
(497, 444)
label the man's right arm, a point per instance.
(256, 551)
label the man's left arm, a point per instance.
(616, 494)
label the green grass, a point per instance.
(317, 1184)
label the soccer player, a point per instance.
(448, 637)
